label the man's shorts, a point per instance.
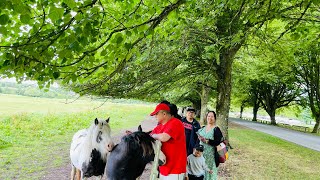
(173, 177)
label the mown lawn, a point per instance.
(33, 131)
(260, 156)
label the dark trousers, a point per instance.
(193, 177)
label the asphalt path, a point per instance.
(300, 138)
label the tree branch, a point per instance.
(294, 24)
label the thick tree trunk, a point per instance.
(224, 91)
(224, 87)
(223, 106)
(197, 106)
(316, 126)
(204, 103)
(255, 112)
(272, 115)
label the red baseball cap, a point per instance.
(159, 107)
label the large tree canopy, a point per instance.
(126, 48)
(75, 40)
(307, 71)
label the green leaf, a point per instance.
(21, 8)
(95, 10)
(83, 40)
(74, 78)
(4, 19)
(56, 13)
(96, 23)
(119, 38)
(103, 52)
(64, 60)
(56, 75)
(75, 46)
(316, 2)
(66, 53)
(87, 29)
(150, 32)
(78, 17)
(127, 45)
(2, 4)
(25, 18)
(295, 36)
(3, 30)
(128, 33)
(71, 3)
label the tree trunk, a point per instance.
(224, 90)
(241, 110)
(255, 111)
(316, 126)
(272, 115)
(197, 107)
(204, 103)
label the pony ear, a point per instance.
(108, 120)
(96, 121)
(140, 128)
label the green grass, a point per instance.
(35, 132)
(35, 135)
(260, 156)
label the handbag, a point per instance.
(222, 152)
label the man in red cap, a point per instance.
(170, 132)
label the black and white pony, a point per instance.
(129, 158)
(89, 149)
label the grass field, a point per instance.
(34, 132)
(260, 156)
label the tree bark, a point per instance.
(316, 126)
(241, 110)
(272, 115)
(204, 103)
(224, 88)
(255, 111)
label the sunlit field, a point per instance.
(34, 131)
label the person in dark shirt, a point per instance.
(191, 126)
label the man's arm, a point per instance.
(163, 137)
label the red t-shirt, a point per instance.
(174, 148)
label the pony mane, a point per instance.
(140, 139)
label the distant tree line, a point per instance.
(32, 90)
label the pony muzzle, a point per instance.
(110, 146)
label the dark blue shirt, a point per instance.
(190, 130)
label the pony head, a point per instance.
(101, 135)
(156, 144)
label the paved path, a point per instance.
(300, 138)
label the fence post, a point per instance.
(154, 171)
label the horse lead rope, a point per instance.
(155, 164)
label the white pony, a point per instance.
(89, 149)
